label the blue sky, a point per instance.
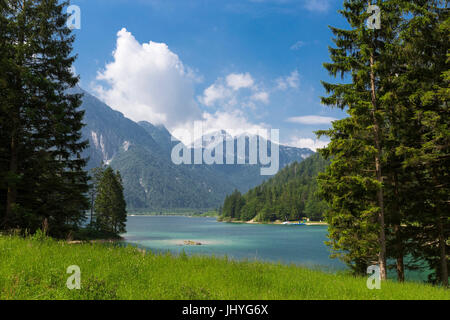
(231, 64)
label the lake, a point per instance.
(302, 245)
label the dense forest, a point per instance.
(290, 195)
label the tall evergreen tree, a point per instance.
(95, 178)
(110, 206)
(390, 157)
(423, 94)
(41, 121)
(354, 184)
(4, 141)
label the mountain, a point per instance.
(161, 135)
(142, 153)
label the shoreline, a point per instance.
(278, 222)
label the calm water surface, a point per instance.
(303, 245)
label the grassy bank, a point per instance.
(35, 268)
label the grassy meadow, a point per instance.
(35, 268)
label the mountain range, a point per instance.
(142, 151)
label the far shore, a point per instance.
(277, 222)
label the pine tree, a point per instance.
(425, 146)
(110, 206)
(95, 177)
(41, 121)
(397, 103)
(4, 160)
(354, 185)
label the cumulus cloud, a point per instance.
(148, 82)
(215, 92)
(311, 120)
(291, 81)
(236, 90)
(238, 81)
(308, 143)
(261, 96)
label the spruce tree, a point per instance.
(95, 177)
(41, 121)
(397, 100)
(4, 141)
(354, 184)
(425, 147)
(110, 206)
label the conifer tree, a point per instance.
(110, 206)
(354, 184)
(423, 95)
(399, 76)
(44, 176)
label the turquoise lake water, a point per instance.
(302, 245)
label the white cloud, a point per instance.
(291, 81)
(298, 45)
(311, 120)
(228, 94)
(312, 144)
(148, 82)
(261, 96)
(215, 92)
(234, 123)
(317, 5)
(238, 81)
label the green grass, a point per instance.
(35, 268)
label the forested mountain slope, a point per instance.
(289, 195)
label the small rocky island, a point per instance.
(191, 243)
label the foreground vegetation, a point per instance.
(35, 268)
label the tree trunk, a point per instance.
(11, 197)
(380, 195)
(399, 250)
(400, 265)
(442, 240)
(92, 209)
(443, 254)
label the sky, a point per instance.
(236, 65)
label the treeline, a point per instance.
(43, 183)
(388, 185)
(290, 195)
